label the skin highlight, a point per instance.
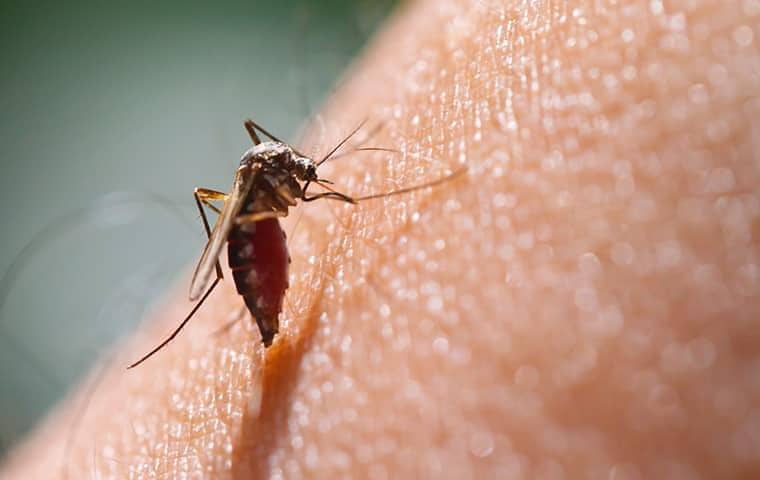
(581, 304)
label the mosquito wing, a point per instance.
(240, 188)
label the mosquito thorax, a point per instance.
(275, 154)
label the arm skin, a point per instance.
(582, 304)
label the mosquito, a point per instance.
(271, 178)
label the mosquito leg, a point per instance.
(203, 196)
(332, 194)
(255, 217)
(181, 325)
(251, 127)
(207, 196)
(413, 188)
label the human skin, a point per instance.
(581, 304)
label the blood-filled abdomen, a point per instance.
(258, 256)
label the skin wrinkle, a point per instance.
(581, 305)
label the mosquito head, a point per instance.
(306, 169)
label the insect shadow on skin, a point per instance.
(271, 178)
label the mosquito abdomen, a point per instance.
(258, 257)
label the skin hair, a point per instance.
(582, 304)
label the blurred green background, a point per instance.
(146, 99)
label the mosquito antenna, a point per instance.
(378, 149)
(365, 149)
(370, 135)
(342, 142)
(319, 119)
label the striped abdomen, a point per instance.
(258, 256)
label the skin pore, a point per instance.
(582, 304)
